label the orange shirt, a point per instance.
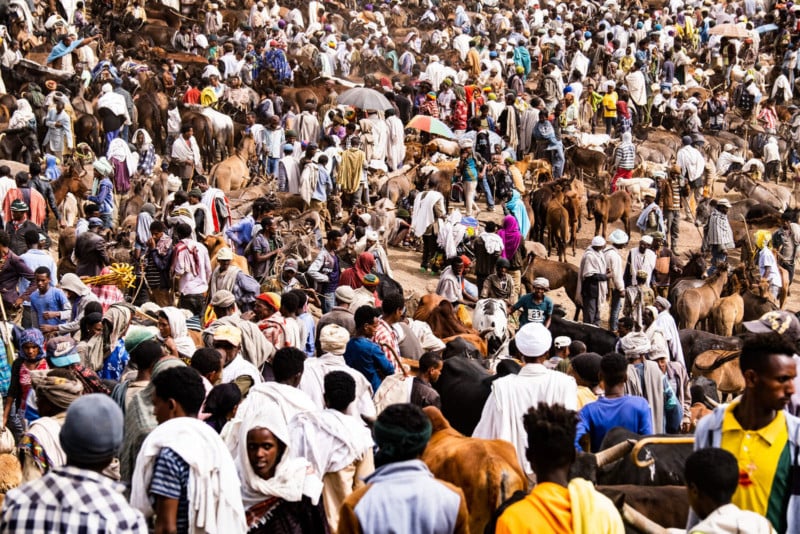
(546, 509)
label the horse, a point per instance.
(558, 273)
(20, 141)
(87, 129)
(694, 304)
(557, 220)
(70, 182)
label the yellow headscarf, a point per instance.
(763, 238)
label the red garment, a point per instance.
(192, 96)
(621, 173)
(32, 198)
(107, 295)
(459, 116)
(352, 277)
(622, 109)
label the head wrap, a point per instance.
(396, 442)
(533, 340)
(370, 280)
(663, 302)
(333, 338)
(273, 300)
(541, 282)
(763, 237)
(223, 298)
(59, 391)
(33, 336)
(635, 344)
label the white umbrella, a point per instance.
(363, 98)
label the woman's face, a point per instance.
(31, 350)
(163, 328)
(96, 329)
(263, 452)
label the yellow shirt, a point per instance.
(610, 105)
(761, 454)
(585, 396)
(546, 509)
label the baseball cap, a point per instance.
(778, 321)
(61, 351)
(228, 333)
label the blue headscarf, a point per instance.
(35, 337)
(517, 208)
(53, 171)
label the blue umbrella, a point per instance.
(767, 28)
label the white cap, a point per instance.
(533, 340)
(618, 237)
(648, 240)
(598, 241)
(561, 341)
(541, 282)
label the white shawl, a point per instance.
(213, 490)
(423, 211)
(294, 476)
(330, 440)
(451, 233)
(313, 384)
(177, 324)
(666, 323)
(118, 150)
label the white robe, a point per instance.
(313, 384)
(511, 398)
(397, 147)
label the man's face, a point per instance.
(774, 386)
(370, 328)
(227, 350)
(42, 283)
(261, 309)
(17, 215)
(224, 264)
(162, 409)
(642, 246)
(188, 134)
(436, 372)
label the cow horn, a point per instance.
(641, 523)
(711, 401)
(661, 440)
(614, 453)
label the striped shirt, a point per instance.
(626, 156)
(171, 480)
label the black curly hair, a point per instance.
(551, 434)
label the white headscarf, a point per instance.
(177, 324)
(293, 476)
(22, 116)
(147, 139)
(118, 149)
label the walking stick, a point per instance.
(747, 231)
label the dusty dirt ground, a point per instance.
(405, 261)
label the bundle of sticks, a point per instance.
(121, 275)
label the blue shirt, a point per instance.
(115, 363)
(366, 356)
(241, 233)
(34, 259)
(533, 312)
(324, 185)
(105, 196)
(307, 319)
(53, 300)
(600, 416)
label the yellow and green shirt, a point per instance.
(764, 458)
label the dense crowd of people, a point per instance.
(238, 388)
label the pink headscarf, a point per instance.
(511, 236)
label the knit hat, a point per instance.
(137, 335)
(333, 338)
(223, 298)
(370, 280)
(196, 193)
(533, 340)
(92, 430)
(225, 253)
(344, 294)
(19, 205)
(273, 300)
(95, 221)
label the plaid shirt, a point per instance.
(69, 499)
(385, 335)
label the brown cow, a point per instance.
(609, 208)
(557, 220)
(454, 458)
(585, 160)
